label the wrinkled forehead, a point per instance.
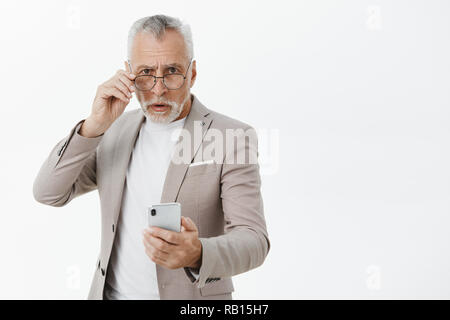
(146, 49)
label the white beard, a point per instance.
(175, 110)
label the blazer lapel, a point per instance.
(196, 119)
(122, 153)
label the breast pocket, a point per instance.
(195, 181)
(196, 170)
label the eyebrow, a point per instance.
(165, 66)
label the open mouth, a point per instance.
(159, 107)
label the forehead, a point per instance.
(146, 49)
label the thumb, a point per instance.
(187, 224)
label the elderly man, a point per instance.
(130, 159)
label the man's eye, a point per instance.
(148, 71)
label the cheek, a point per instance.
(181, 95)
(143, 95)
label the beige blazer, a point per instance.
(223, 199)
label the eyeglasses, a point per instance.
(172, 81)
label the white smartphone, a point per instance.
(165, 215)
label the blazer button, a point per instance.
(103, 272)
(113, 227)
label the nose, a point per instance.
(160, 88)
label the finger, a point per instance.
(114, 92)
(129, 70)
(122, 87)
(157, 257)
(152, 248)
(159, 244)
(127, 82)
(188, 224)
(184, 223)
(127, 66)
(129, 75)
(167, 235)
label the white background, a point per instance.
(357, 200)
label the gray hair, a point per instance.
(157, 25)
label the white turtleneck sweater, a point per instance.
(132, 275)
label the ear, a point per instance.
(194, 72)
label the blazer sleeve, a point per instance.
(245, 242)
(69, 171)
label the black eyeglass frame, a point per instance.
(155, 79)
